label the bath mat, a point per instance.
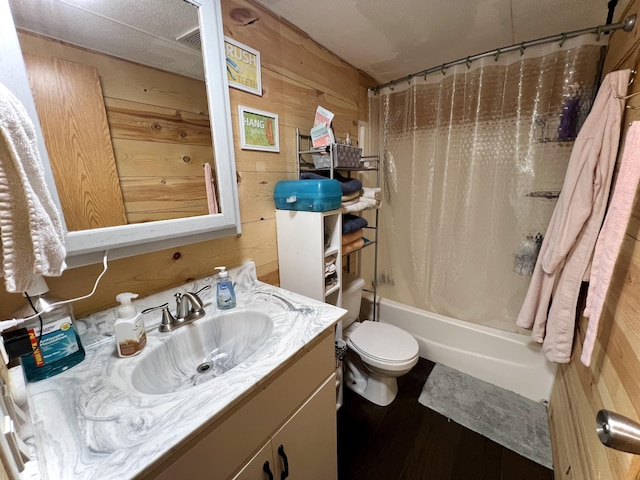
(505, 417)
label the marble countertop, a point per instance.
(91, 424)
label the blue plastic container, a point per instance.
(308, 195)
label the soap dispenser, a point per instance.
(225, 295)
(131, 336)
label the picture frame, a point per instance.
(243, 66)
(259, 130)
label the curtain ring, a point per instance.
(522, 48)
(409, 79)
(468, 63)
(598, 33)
(444, 69)
(497, 55)
(392, 86)
(564, 39)
(633, 77)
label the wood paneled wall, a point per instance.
(613, 380)
(297, 76)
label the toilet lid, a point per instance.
(384, 342)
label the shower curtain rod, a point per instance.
(627, 25)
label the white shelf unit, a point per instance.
(368, 163)
(307, 242)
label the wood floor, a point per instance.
(406, 440)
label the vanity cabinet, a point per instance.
(295, 407)
(309, 253)
(304, 447)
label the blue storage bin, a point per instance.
(308, 195)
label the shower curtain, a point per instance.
(473, 159)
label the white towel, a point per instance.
(31, 233)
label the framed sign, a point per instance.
(243, 66)
(258, 130)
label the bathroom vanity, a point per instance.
(272, 407)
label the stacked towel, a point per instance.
(351, 223)
(352, 237)
(353, 246)
(32, 238)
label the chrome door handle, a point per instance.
(617, 431)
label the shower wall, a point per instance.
(473, 162)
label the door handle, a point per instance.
(617, 431)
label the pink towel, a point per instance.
(212, 202)
(611, 236)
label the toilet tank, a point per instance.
(352, 286)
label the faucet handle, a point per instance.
(167, 321)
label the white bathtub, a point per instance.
(506, 359)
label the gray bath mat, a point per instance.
(505, 417)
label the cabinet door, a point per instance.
(307, 445)
(259, 467)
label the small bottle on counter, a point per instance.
(55, 342)
(131, 336)
(225, 295)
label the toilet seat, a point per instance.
(384, 346)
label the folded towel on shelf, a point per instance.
(32, 238)
(351, 223)
(351, 196)
(372, 192)
(353, 236)
(348, 185)
(363, 203)
(350, 247)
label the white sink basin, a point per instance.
(201, 351)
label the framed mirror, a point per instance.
(130, 97)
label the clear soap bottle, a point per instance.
(55, 342)
(225, 295)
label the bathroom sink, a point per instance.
(200, 352)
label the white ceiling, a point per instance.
(391, 39)
(386, 39)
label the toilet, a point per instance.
(378, 352)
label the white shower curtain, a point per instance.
(472, 161)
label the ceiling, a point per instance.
(392, 39)
(386, 39)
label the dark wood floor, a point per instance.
(406, 440)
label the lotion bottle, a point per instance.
(131, 336)
(225, 295)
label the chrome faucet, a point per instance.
(189, 307)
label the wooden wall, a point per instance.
(297, 76)
(613, 380)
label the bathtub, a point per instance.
(505, 359)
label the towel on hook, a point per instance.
(611, 236)
(31, 233)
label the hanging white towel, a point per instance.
(31, 232)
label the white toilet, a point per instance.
(378, 352)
